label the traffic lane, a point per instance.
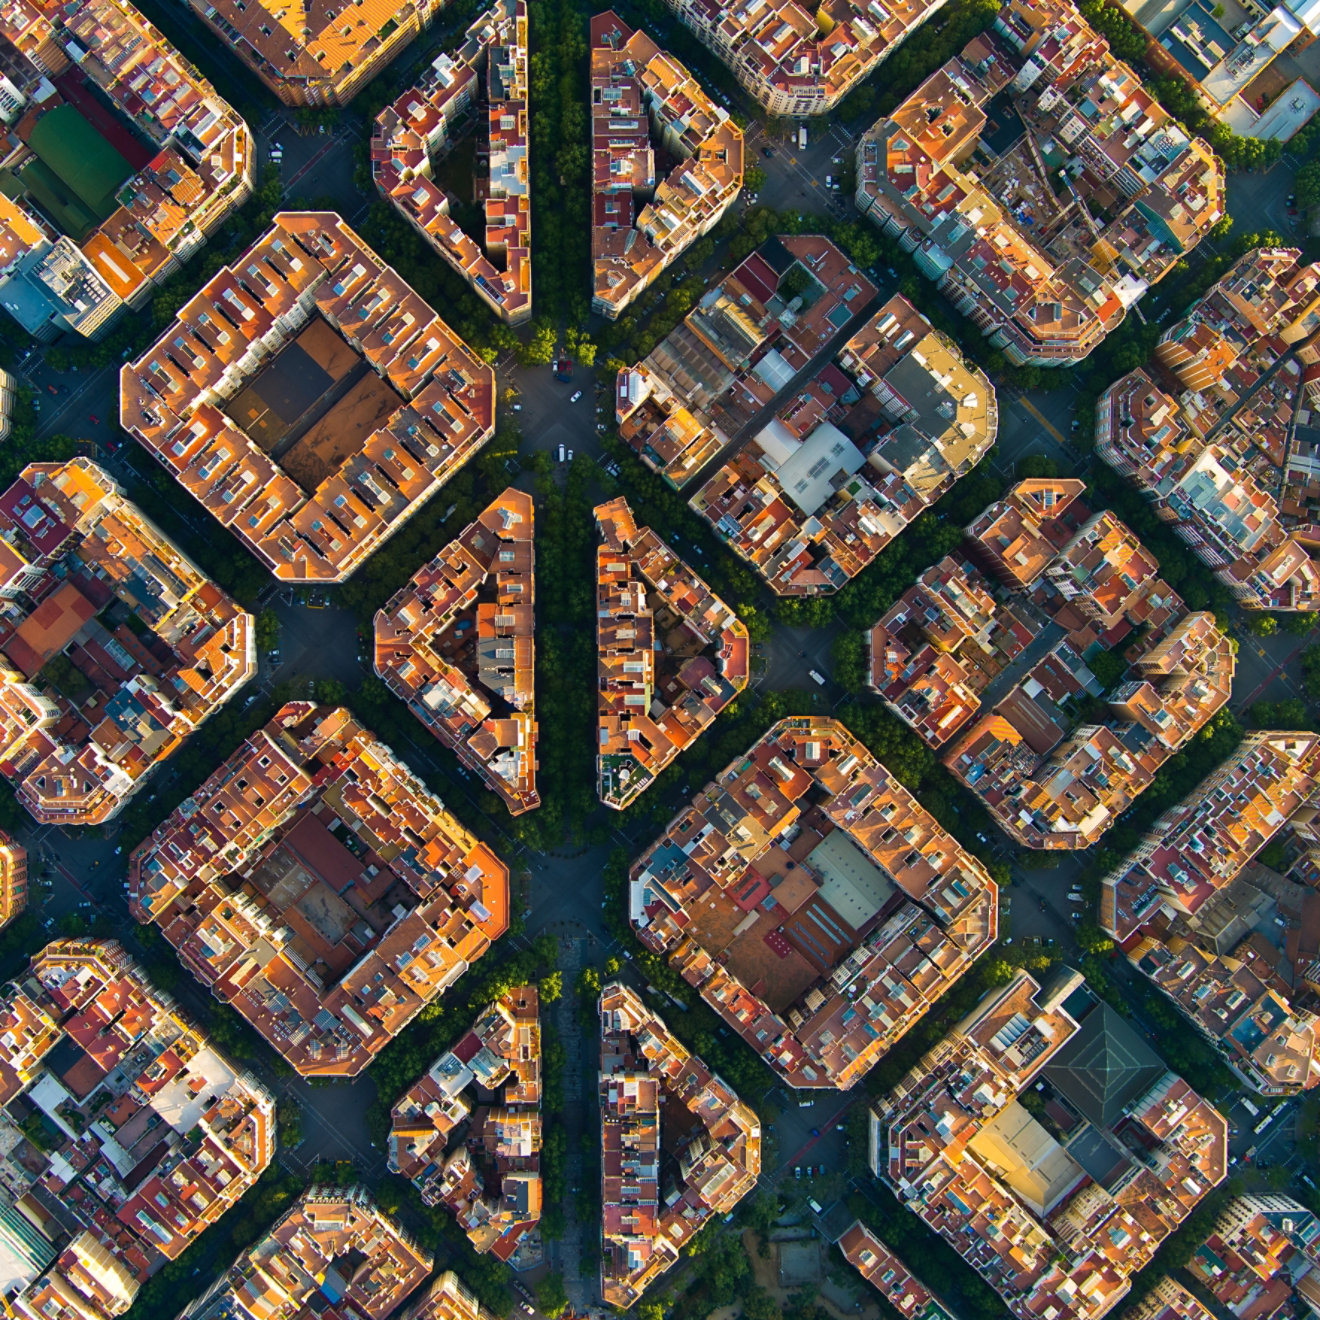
(318, 642)
(792, 653)
(1266, 667)
(1022, 431)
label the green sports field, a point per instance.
(76, 173)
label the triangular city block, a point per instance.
(456, 644)
(670, 655)
(709, 1145)
(468, 1133)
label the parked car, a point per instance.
(577, 394)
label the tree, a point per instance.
(1263, 625)
(551, 988)
(267, 630)
(551, 1297)
(759, 1305)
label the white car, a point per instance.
(577, 394)
(570, 455)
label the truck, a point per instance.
(1251, 1109)
(802, 138)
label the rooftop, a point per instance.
(98, 91)
(413, 132)
(709, 1145)
(314, 883)
(113, 646)
(125, 1132)
(468, 1133)
(670, 655)
(814, 903)
(309, 399)
(991, 666)
(1045, 250)
(1056, 1185)
(317, 54)
(1262, 1259)
(642, 96)
(457, 645)
(334, 1256)
(796, 60)
(1217, 432)
(1159, 904)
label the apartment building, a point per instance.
(795, 60)
(1218, 431)
(881, 1268)
(1262, 1259)
(859, 451)
(334, 1256)
(1039, 184)
(467, 1135)
(1194, 914)
(989, 663)
(813, 902)
(317, 886)
(418, 129)
(1048, 1145)
(834, 459)
(323, 55)
(122, 158)
(457, 645)
(125, 1134)
(644, 103)
(448, 1298)
(677, 1146)
(114, 647)
(13, 879)
(1228, 63)
(744, 341)
(670, 655)
(309, 399)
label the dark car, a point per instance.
(767, 152)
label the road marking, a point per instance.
(1042, 419)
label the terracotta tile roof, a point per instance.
(333, 1256)
(310, 267)
(1036, 270)
(202, 171)
(1057, 1239)
(327, 983)
(82, 561)
(635, 84)
(317, 52)
(457, 645)
(898, 913)
(712, 1142)
(490, 1181)
(656, 696)
(412, 132)
(191, 1133)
